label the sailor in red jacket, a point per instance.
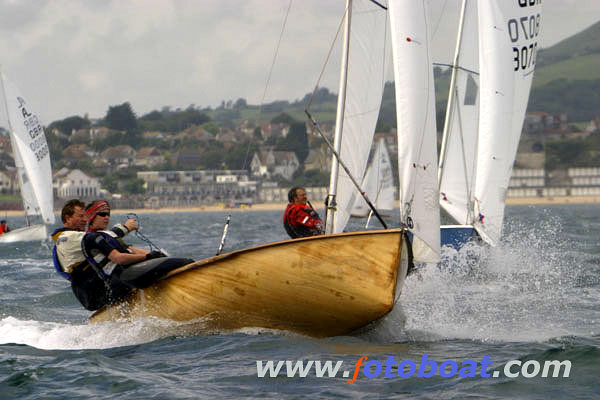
(3, 227)
(300, 219)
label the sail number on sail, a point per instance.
(38, 144)
(524, 28)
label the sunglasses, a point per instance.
(103, 214)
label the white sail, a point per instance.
(364, 90)
(378, 183)
(457, 164)
(509, 32)
(27, 192)
(415, 109)
(31, 154)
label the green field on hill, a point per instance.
(577, 68)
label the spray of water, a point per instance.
(64, 336)
(525, 289)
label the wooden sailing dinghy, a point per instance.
(317, 286)
(332, 284)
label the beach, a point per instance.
(513, 201)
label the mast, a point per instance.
(451, 93)
(339, 124)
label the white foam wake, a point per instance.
(63, 336)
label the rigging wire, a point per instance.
(275, 57)
(143, 237)
(327, 59)
(438, 23)
(269, 78)
(320, 77)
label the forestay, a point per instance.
(509, 33)
(364, 90)
(31, 154)
(415, 110)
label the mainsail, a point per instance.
(509, 31)
(415, 110)
(359, 108)
(378, 183)
(31, 154)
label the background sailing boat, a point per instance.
(483, 127)
(378, 183)
(32, 160)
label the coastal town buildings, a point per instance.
(170, 169)
(193, 188)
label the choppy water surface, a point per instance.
(534, 297)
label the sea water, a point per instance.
(534, 297)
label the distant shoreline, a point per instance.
(524, 201)
(514, 201)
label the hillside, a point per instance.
(585, 67)
(584, 43)
(567, 77)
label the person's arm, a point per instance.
(125, 258)
(301, 217)
(136, 250)
(98, 242)
(123, 229)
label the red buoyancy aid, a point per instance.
(300, 220)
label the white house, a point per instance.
(270, 163)
(286, 163)
(70, 184)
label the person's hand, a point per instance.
(154, 254)
(319, 228)
(131, 224)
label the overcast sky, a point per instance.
(77, 57)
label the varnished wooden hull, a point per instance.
(318, 286)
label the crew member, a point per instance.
(108, 254)
(69, 261)
(3, 227)
(299, 218)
